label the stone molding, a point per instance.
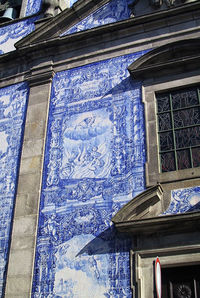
(143, 215)
(35, 79)
(68, 46)
(168, 67)
(53, 28)
(147, 204)
(176, 57)
(63, 21)
(179, 223)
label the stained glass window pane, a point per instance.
(166, 141)
(179, 129)
(183, 158)
(196, 157)
(186, 117)
(163, 102)
(185, 98)
(187, 137)
(168, 162)
(164, 121)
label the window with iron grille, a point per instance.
(178, 122)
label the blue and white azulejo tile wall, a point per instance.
(94, 164)
(184, 200)
(10, 34)
(114, 11)
(13, 101)
(33, 6)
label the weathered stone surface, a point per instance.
(27, 204)
(23, 242)
(38, 95)
(30, 164)
(21, 295)
(32, 148)
(22, 261)
(29, 183)
(37, 112)
(34, 130)
(24, 226)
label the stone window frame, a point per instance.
(142, 265)
(152, 167)
(166, 68)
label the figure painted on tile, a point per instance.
(86, 155)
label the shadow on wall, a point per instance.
(113, 242)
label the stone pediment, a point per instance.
(53, 27)
(87, 14)
(176, 57)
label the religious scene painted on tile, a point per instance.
(94, 164)
(12, 114)
(85, 150)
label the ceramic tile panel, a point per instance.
(10, 34)
(94, 164)
(184, 200)
(12, 115)
(33, 6)
(114, 11)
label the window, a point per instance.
(171, 95)
(172, 114)
(178, 123)
(181, 281)
(180, 270)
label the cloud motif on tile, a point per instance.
(86, 146)
(90, 127)
(184, 200)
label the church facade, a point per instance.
(99, 148)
